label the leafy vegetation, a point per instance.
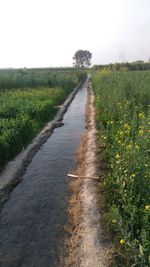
(134, 66)
(33, 78)
(122, 101)
(24, 110)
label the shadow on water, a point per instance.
(32, 220)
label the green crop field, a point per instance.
(28, 99)
(122, 101)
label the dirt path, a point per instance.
(88, 247)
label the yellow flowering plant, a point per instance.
(126, 98)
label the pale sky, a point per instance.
(44, 33)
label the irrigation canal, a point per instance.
(33, 220)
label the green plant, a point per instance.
(123, 121)
(25, 110)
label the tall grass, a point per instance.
(25, 110)
(122, 103)
(33, 78)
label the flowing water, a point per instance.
(33, 220)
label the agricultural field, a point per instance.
(28, 99)
(122, 101)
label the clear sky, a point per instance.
(42, 33)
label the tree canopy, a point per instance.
(82, 58)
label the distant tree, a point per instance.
(82, 58)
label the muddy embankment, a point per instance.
(87, 245)
(14, 170)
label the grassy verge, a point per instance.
(23, 111)
(123, 121)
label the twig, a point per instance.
(82, 177)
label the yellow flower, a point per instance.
(141, 132)
(127, 126)
(141, 115)
(114, 221)
(117, 156)
(122, 241)
(147, 207)
(129, 146)
(121, 133)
